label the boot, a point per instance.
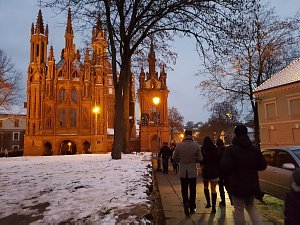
(207, 196)
(213, 202)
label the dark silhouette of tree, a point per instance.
(257, 45)
(175, 121)
(133, 24)
(9, 83)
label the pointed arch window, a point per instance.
(62, 95)
(74, 95)
(73, 117)
(62, 118)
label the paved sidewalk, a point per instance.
(169, 188)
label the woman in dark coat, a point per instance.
(223, 181)
(210, 171)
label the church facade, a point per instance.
(153, 97)
(70, 103)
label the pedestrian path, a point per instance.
(170, 191)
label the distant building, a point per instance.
(153, 97)
(278, 101)
(12, 130)
(61, 97)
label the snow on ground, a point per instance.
(86, 187)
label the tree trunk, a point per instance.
(118, 125)
(127, 92)
(256, 124)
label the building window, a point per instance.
(74, 95)
(73, 117)
(1, 123)
(15, 147)
(62, 94)
(16, 136)
(110, 91)
(62, 118)
(295, 107)
(109, 81)
(16, 122)
(270, 110)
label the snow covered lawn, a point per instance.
(74, 188)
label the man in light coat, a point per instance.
(187, 153)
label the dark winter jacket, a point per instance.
(240, 162)
(211, 162)
(165, 152)
(292, 206)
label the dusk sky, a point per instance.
(16, 17)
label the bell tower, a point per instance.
(153, 97)
(37, 70)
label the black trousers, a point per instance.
(165, 162)
(186, 184)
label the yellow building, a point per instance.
(68, 102)
(279, 107)
(153, 97)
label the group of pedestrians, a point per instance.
(234, 167)
(165, 153)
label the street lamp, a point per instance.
(96, 110)
(156, 101)
(69, 144)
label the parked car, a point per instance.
(277, 178)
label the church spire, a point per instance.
(152, 61)
(39, 27)
(69, 46)
(69, 29)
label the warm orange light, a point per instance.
(181, 135)
(96, 109)
(156, 100)
(69, 143)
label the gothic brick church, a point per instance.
(70, 103)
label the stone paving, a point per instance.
(169, 188)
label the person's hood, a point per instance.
(242, 141)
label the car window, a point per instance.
(284, 157)
(297, 153)
(269, 156)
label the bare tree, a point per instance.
(131, 24)
(175, 121)
(256, 45)
(9, 83)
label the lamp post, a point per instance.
(69, 144)
(96, 110)
(156, 101)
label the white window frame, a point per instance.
(267, 102)
(289, 98)
(14, 136)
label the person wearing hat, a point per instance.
(187, 153)
(241, 163)
(292, 201)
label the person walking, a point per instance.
(174, 164)
(187, 153)
(210, 171)
(164, 153)
(292, 201)
(223, 181)
(6, 153)
(241, 162)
